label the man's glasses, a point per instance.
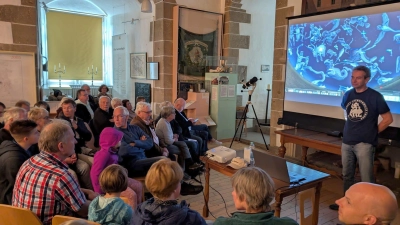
(148, 112)
(119, 116)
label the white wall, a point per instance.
(137, 35)
(206, 5)
(261, 51)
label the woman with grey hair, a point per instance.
(253, 191)
(116, 102)
(165, 134)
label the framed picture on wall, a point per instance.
(138, 65)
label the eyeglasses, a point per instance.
(119, 116)
(148, 112)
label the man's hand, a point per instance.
(71, 160)
(89, 193)
(132, 144)
(74, 124)
(165, 152)
(112, 120)
(143, 138)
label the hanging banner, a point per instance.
(193, 50)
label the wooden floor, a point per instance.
(221, 203)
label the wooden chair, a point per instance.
(11, 215)
(303, 196)
(61, 219)
(125, 199)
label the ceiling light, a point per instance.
(146, 6)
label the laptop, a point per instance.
(276, 167)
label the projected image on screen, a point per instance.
(321, 55)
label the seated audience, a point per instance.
(165, 134)
(164, 182)
(44, 185)
(140, 99)
(110, 140)
(143, 120)
(188, 124)
(103, 115)
(103, 91)
(110, 208)
(23, 104)
(42, 104)
(127, 104)
(177, 131)
(134, 144)
(80, 163)
(12, 114)
(366, 203)
(253, 191)
(13, 154)
(40, 116)
(83, 108)
(2, 110)
(116, 102)
(92, 101)
(185, 126)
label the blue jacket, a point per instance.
(115, 213)
(129, 154)
(152, 212)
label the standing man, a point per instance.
(83, 108)
(91, 100)
(363, 106)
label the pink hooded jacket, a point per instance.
(109, 137)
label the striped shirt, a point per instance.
(44, 186)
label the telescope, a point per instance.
(251, 82)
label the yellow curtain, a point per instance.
(76, 42)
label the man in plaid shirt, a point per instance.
(44, 185)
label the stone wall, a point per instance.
(232, 40)
(162, 90)
(22, 18)
(278, 77)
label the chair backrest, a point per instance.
(57, 220)
(11, 215)
(125, 199)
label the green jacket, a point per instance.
(266, 218)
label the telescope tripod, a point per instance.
(242, 120)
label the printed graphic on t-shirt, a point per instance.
(356, 110)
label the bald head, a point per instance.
(366, 203)
(179, 104)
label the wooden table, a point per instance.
(313, 180)
(309, 139)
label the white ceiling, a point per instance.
(109, 7)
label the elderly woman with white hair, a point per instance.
(166, 136)
(11, 114)
(253, 191)
(115, 102)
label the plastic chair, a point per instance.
(11, 215)
(57, 220)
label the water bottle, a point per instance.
(252, 147)
(252, 161)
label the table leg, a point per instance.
(282, 150)
(304, 154)
(316, 203)
(278, 203)
(206, 190)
